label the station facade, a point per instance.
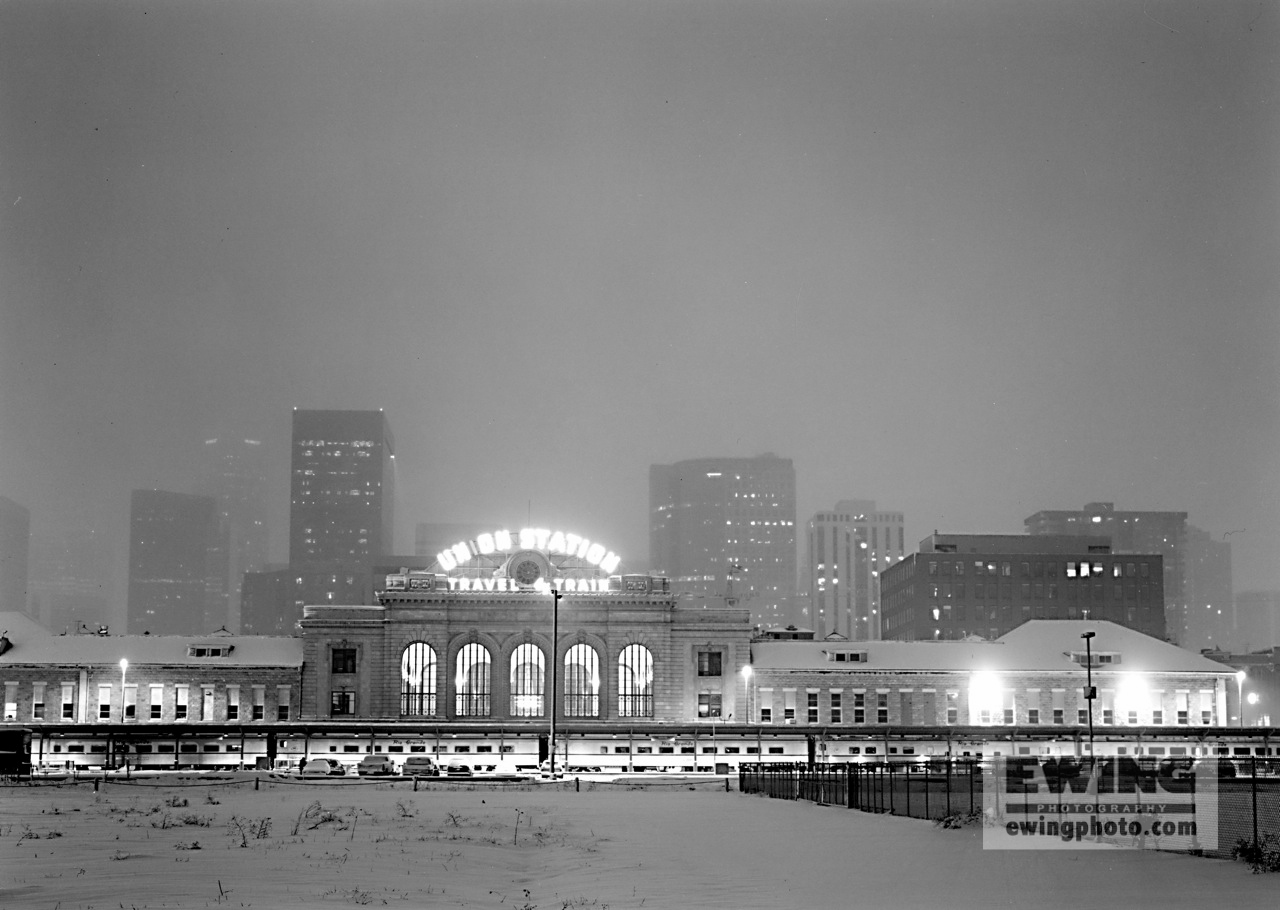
(511, 616)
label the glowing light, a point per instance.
(504, 541)
(985, 693)
(1132, 695)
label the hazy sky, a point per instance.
(971, 260)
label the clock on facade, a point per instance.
(527, 571)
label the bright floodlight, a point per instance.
(1240, 675)
(124, 664)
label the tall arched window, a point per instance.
(635, 682)
(528, 675)
(472, 681)
(418, 680)
(581, 682)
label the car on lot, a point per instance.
(375, 765)
(458, 769)
(420, 766)
(323, 767)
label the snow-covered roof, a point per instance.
(33, 644)
(1037, 645)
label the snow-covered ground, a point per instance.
(657, 844)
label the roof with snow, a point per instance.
(33, 644)
(1036, 645)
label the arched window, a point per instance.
(418, 680)
(528, 675)
(635, 682)
(581, 682)
(472, 681)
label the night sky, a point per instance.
(971, 260)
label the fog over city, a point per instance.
(969, 260)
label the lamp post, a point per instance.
(1251, 698)
(1089, 692)
(124, 667)
(555, 665)
(746, 689)
(1240, 675)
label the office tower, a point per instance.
(268, 601)
(72, 581)
(848, 548)
(984, 585)
(724, 529)
(1135, 533)
(341, 514)
(1210, 613)
(236, 477)
(15, 544)
(177, 564)
(1257, 620)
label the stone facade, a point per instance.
(447, 621)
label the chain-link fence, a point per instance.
(1248, 790)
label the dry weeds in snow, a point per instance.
(221, 843)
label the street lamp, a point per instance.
(1251, 698)
(555, 666)
(746, 689)
(1240, 675)
(1090, 693)
(124, 667)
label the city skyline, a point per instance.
(973, 262)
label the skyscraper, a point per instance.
(72, 580)
(177, 564)
(1210, 598)
(341, 518)
(236, 477)
(726, 528)
(1136, 533)
(15, 546)
(1257, 620)
(848, 548)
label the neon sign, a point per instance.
(557, 542)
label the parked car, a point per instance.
(323, 767)
(1225, 767)
(458, 769)
(420, 766)
(375, 765)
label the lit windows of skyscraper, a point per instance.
(177, 564)
(342, 493)
(848, 548)
(236, 477)
(724, 528)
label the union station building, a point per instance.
(473, 641)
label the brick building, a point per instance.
(161, 689)
(984, 585)
(1033, 678)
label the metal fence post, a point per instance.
(1253, 786)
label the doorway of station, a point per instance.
(544, 748)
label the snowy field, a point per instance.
(656, 844)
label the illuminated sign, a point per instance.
(541, 586)
(556, 542)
